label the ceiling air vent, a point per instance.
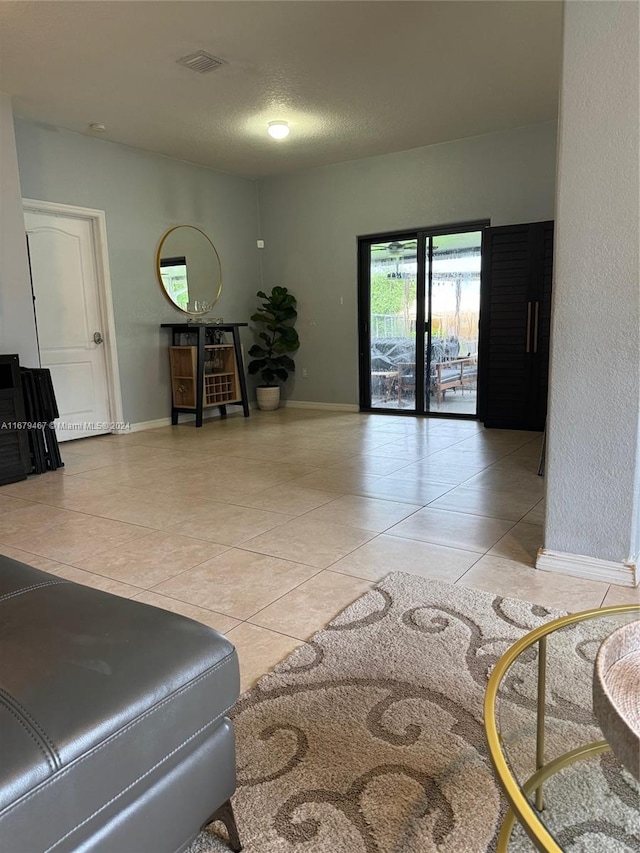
(200, 61)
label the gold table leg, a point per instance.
(534, 783)
(542, 687)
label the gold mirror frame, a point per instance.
(159, 271)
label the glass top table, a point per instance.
(565, 788)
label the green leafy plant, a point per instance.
(277, 316)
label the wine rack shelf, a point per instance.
(204, 373)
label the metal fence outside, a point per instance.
(390, 326)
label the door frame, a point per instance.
(97, 220)
(423, 310)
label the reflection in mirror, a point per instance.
(188, 269)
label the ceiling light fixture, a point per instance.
(278, 129)
(97, 126)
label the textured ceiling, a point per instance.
(353, 79)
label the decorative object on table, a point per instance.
(270, 359)
(616, 694)
(189, 270)
(368, 738)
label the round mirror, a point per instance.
(189, 270)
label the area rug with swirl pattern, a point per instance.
(369, 738)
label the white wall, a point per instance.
(310, 222)
(17, 325)
(143, 195)
(592, 482)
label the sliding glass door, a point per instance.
(419, 292)
(393, 267)
(454, 329)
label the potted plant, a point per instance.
(270, 359)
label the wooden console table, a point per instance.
(206, 371)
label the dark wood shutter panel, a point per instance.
(514, 360)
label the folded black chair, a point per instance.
(49, 411)
(41, 410)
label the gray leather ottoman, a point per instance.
(114, 735)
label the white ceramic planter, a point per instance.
(268, 397)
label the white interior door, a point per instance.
(67, 306)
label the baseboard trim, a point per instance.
(160, 422)
(304, 404)
(592, 568)
(184, 418)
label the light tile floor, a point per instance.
(267, 527)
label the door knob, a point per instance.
(97, 338)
